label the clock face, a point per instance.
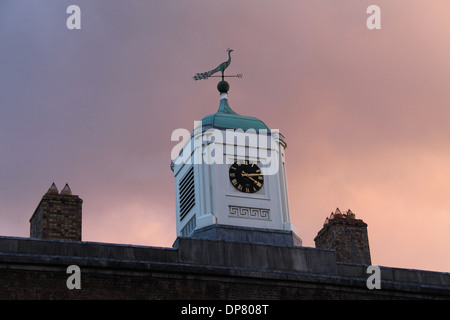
(246, 177)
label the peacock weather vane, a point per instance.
(221, 68)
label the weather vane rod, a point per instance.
(221, 68)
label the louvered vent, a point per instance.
(187, 193)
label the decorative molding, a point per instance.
(249, 213)
(189, 227)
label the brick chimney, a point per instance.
(58, 216)
(347, 235)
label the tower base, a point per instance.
(273, 237)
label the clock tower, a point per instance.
(230, 180)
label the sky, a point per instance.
(365, 113)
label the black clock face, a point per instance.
(246, 177)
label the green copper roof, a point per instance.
(225, 118)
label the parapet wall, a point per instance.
(198, 269)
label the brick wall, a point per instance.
(169, 284)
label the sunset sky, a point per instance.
(365, 113)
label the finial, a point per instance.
(53, 189)
(66, 190)
(350, 214)
(223, 86)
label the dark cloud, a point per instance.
(364, 112)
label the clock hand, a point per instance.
(256, 182)
(252, 179)
(251, 174)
